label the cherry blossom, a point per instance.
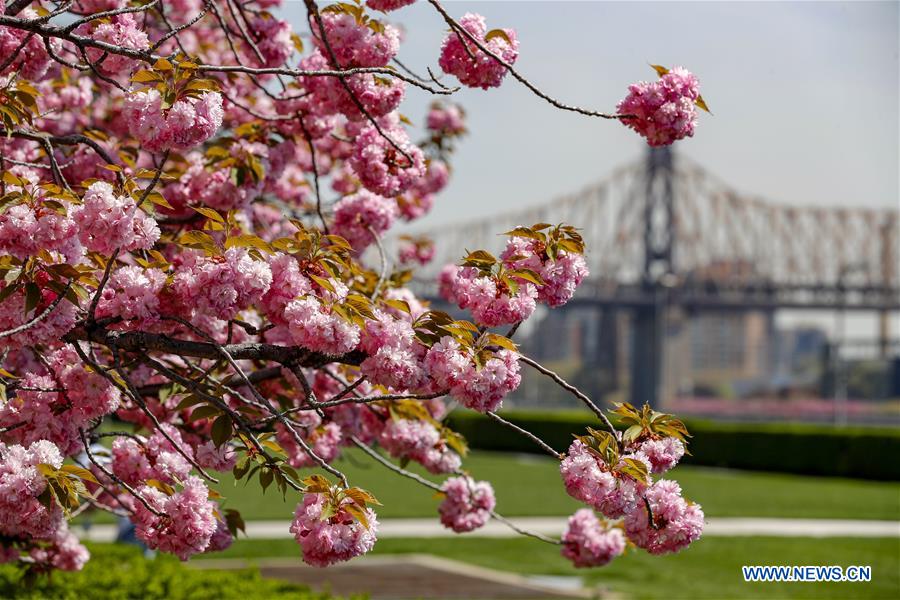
(587, 543)
(467, 504)
(336, 538)
(468, 63)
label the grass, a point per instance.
(530, 485)
(711, 568)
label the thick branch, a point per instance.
(142, 341)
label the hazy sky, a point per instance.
(804, 96)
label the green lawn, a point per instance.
(530, 485)
(711, 568)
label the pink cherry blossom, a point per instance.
(381, 168)
(132, 293)
(377, 95)
(217, 458)
(663, 453)
(589, 479)
(273, 40)
(63, 551)
(561, 275)
(587, 543)
(26, 230)
(108, 222)
(224, 285)
(412, 253)
(287, 284)
(42, 412)
(388, 5)
(664, 110)
(356, 44)
(21, 513)
(186, 524)
(467, 504)
(121, 31)
(337, 538)
(313, 326)
(446, 119)
(221, 538)
(676, 522)
(186, 124)
(49, 329)
(361, 216)
(419, 441)
(324, 440)
(32, 61)
(483, 70)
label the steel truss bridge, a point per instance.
(664, 232)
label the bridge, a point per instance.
(664, 233)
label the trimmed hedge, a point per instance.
(860, 452)
(120, 572)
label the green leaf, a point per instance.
(660, 70)
(265, 478)
(144, 76)
(357, 513)
(210, 214)
(361, 496)
(527, 275)
(701, 104)
(204, 412)
(273, 445)
(221, 430)
(160, 200)
(165, 488)
(632, 433)
(241, 467)
(188, 401)
(497, 33)
(503, 342)
(199, 238)
(163, 65)
(249, 241)
(79, 472)
(32, 296)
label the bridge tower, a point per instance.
(658, 276)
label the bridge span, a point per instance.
(664, 233)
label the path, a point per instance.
(715, 526)
(410, 576)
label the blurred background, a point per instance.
(750, 273)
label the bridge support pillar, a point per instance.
(646, 357)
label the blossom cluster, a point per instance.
(587, 543)
(663, 111)
(325, 539)
(507, 291)
(467, 504)
(473, 67)
(43, 530)
(617, 490)
(182, 126)
(53, 403)
(182, 523)
(420, 441)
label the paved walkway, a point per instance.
(715, 526)
(413, 576)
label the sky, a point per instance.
(805, 98)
